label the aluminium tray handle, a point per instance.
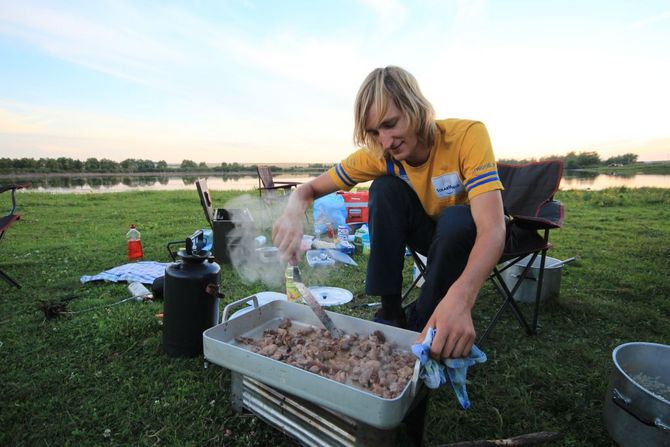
(414, 383)
(226, 310)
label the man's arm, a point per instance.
(452, 318)
(287, 231)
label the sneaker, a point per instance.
(400, 321)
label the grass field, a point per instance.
(101, 378)
(656, 167)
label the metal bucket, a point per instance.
(637, 402)
(551, 282)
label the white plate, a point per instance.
(263, 298)
(331, 296)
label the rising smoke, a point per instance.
(253, 217)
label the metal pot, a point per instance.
(637, 409)
(551, 280)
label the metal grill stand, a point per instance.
(313, 425)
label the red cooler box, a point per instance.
(357, 206)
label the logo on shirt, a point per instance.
(489, 165)
(447, 185)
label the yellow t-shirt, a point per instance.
(460, 166)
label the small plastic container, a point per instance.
(319, 258)
(343, 233)
(345, 247)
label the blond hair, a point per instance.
(398, 85)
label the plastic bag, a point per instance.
(331, 210)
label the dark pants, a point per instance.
(396, 218)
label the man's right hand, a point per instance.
(287, 231)
(287, 234)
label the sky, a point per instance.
(275, 81)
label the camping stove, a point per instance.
(311, 408)
(313, 425)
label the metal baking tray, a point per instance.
(220, 347)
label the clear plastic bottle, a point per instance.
(139, 292)
(134, 244)
(365, 241)
(291, 290)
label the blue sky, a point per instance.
(274, 81)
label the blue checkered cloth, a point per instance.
(433, 372)
(144, 271)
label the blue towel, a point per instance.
(144, 271)
(432, 372)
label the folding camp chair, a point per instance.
(530, 208)
(420, 266)
(7, 221)
(267, 184)
(532, 212)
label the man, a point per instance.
(435, 188)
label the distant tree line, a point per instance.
(572, 160)
(132, 165)
(581, 160)
(65, 164)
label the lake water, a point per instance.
(88, 184)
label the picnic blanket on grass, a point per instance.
(143, 271)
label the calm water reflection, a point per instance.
(119, 183)
(602, 181)
(73, 184)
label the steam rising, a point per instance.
(254, 216)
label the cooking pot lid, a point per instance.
(331, 296)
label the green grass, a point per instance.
(101, 378)
(656, 167)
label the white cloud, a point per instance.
(222, 137)
(286, 94)
(647, 21)
(114, 48)
(390, 14)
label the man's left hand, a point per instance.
(454, 330)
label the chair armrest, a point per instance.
(550, 215)
(14, 187)
(534, 223)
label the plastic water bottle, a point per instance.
(139, 292)
(134, 244)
